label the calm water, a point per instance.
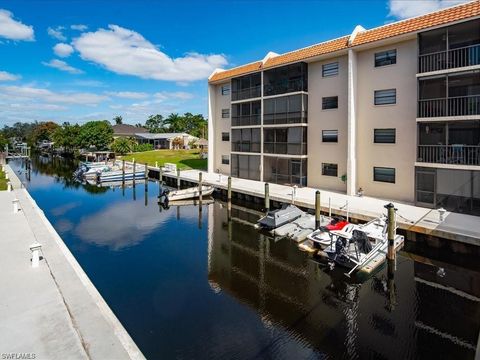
(189, 284)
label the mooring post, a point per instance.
(267, 197)
(35, 249)
(391, 231)
(134, 171)
(330, 207)
(9, 186)
(178, 179)
(317, 209)
(200, 189)
(146, 171)
(123, 172)
(348, 210)
(156, 164)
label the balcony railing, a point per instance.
(248, 93)
(283, 87)
(246, 146)
(293, 117)
(246, 120)
(285, 148)
(449, 59)
(449, 154)
(453, 106)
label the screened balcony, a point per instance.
(291, 141)
(246, 140)
(280, 170)
(246, 87)
(449, 95)
(449, 143)
(285, 79)
(450, 47)
(285, 110)
(246, 114)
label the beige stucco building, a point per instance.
(393, 112)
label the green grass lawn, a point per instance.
(3, 181)
(185, 159)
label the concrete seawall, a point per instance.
(53, 311)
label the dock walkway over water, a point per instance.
(52, 311)
(461, 228)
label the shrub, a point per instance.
(123, 146)
(142, 147)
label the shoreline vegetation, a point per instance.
(3, 181)
(184, 159)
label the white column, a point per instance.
(261, 127)
(352, 124)
(211, 127)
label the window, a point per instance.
(330, 102)
(246, 140)
(225, 136)
(388, 57)
(286, 79)
(384, 136)
(226, 90)
(285, 110)
(225, 113)
(330, 69)
(383, 174)
(329, 169)
(245, 166)
(330, 136)
(225, 160)
(291, 140)
(385, 97)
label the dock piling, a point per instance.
(123, 172)
(146, 171)
(317, 209)
(267, 197)
(178, 179)
(391, 231)
(156, 164)
(200, 188)
(134, 171)
(330, 207)
(9, 186)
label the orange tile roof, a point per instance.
(441, 17)
(241, 70)
(309, 52)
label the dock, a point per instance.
(461, 228)
(52, 311)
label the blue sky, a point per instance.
(87, 60)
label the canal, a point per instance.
(190, 284)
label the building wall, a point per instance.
(329, 119)
(401, 116)
(221, 125)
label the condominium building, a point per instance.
(393, 112)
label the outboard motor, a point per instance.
(362, 241)
(163, 197)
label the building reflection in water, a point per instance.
(413, 313)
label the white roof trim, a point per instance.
(358, 29)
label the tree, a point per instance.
(66, 136)
(95, 133)
(192, 124)
(123, 146)
(155, 124)
(174, 122)
(43, 132)
(118, 120)
(3, 142)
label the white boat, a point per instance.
(364, 247)
(190, 193)
(321, 238)
(276, 218)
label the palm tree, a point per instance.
(118, 120)
(174, 122)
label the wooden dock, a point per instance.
(460, 228)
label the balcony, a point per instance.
(246, 146)
(449, 154)
(285, 118)
(284, 87)
(285, 148)
(452, 106)
(449, 59)
(248, 93)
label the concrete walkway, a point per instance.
(53, 311)
(459, 227)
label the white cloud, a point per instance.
(57, 33)
(128, 94)
(63, 50)
(89, 83)
(79, 27)
(6, 76)
(13, 29)
(17, 94)
(127, 52)
(63, 66)
(403, 9)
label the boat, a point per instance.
(190, 193)
(321, 238)
(118, 175)
(362, 248)
(276, 218)
(299, 229)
